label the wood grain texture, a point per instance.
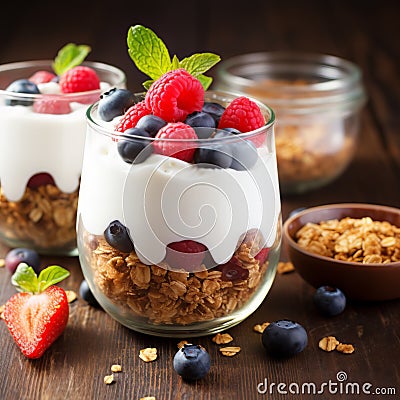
(365, 33)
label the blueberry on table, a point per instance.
(330, 301)
(151, 123)
(114, 103)
(284, 339)
(21, 255)
(87, 295)
(192, 362)
(117, 236)
(133, 146)
(22, 86)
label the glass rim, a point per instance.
(98, 66)
(245, 135)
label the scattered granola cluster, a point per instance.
(45, 217)
(170, 297)
(360, 240)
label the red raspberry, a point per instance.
(175, 95)
(79, 79)
(49, 105)
(186, 254)
(244, 115)
(42, 77)
(132, 116)
(262, 255)
(176, 148)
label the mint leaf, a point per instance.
(70, 56)
(148, 51)
(205, 81)
(147, 84)
(175, 63)
(197, 64)
(50, 276)
(25, 279)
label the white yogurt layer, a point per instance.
(164, 200)
(32, 143)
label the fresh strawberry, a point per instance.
(51, 105)
(79, 79)
(132, 116)
(37, 315)
(42, 77)
(186, 254)
(181, 146)
(175, 95)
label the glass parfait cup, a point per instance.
(228, 217)
(41, 157)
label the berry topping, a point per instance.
(242, 114)
(151, 123)
(213, 109)
(41, 179)
(21, 255)
(175, 95)
(200, 119)
(178, 147)
(262, 255)
(132, 116)
(117, 236)
(79, 79)
(330, 301)
(192, 362)
(37, 315)
(218, 155)
(87, 295)
(186, 254)
(231, 271)
(115, 102)
(22, 86)
(283, 339)
(51, 105)
(134, 150)
(42, 77)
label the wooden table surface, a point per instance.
(364, 32)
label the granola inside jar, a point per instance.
(175, 248)
(42, 134)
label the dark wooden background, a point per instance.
(366, 33)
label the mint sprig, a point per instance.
(26, 279)
(151, 56)
(70, 56)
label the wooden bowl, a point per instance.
(366, 282)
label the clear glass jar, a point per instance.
(41, 158)
(232, 217)
(317, 100)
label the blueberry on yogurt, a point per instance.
(114, 103)
(192, 362)
(22, 86)
(132, 146)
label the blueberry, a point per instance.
(214, 109)
(214, 155)
(21, 255)
(284, 338)
(22, 86)
(151, 123)
(192, 362)
(87, 295)
(200, 119)
(114, 103)
(329, 300)
(117, 236)
(134, 150)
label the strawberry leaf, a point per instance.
(25, 279)
(50, 276)
(69, 57)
